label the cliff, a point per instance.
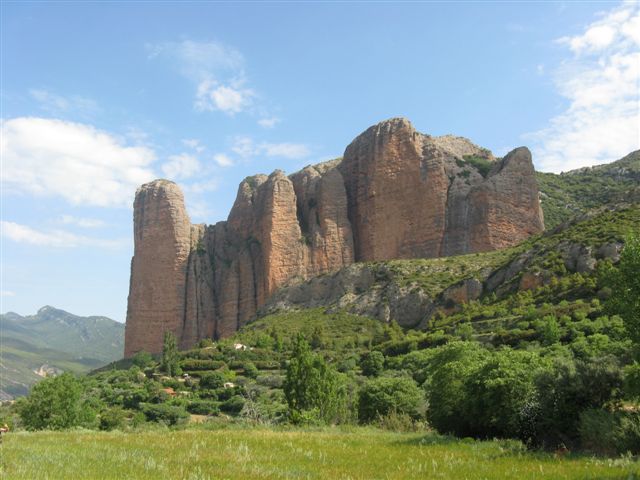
(396, 194)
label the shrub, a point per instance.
(192, 364)
(384, 395)
(168, 414)
(233, 405)
(54, 403)
(311, 383)
(212, 380)
(372, 363)
(112, 418)
(610, 433)
(203, 407)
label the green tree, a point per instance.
(55, 403)
(384, 395)
(169, 363)
(142, 359)
(623, 281)
(212, 380)
(311, 385)
(372, 363)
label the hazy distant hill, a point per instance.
(50, 341)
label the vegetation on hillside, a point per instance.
(552, 365)
(573, 193)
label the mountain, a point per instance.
(52, 341)
(396, 194)
(573, 193)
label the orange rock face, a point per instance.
(396, 194)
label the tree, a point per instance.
(142, 359)
(212, 380)
(372, 363)
(169, 363)
(384, 395)
(55, 403)
(311, 385)
(623, 281)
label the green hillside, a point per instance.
(53, 340)
(573, 193)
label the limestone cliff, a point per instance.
(396, 194)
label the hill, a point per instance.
(573, 193)
(52, 341)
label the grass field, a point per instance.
(198, 454)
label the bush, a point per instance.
(384, 395)
(203, 407)
(142, 359)
(451, 368)
(191, 364)
(212, 380)
(233, 406)
(610, 433)
(112, 418)
(250, 370)
(55, 403)
(311, 383)
(372, 363)
(168, 414)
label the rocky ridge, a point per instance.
(396, 194)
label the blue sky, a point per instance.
(98, 98)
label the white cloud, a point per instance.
(84, 165)
(268, 122)
(231, 100)
(216, 70)
(181, 166)
(245, 147)
(600, 81)
(81, 222)
(193, 144)
(55, 238)
(57, 104)
(7, 293)
(286, 150)
(223, 160)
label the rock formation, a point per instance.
(396, 194)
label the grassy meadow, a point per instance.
(260, 453)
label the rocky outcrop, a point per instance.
(162, 238)
(411, 195)
(396, 194)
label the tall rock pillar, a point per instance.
(162, 236)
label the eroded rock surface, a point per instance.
(396, 194)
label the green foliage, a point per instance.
(312, 384)
(610, 433)
(569, 194)
(203, 407)
(212, 380)
(142, 359)
(112, 418)
(482, 164)
(372, 363)
(164, 413)
(624, 282)
(170, 356)
(450, 369)
(54, 403)
(384, 395)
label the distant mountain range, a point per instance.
(52, 341)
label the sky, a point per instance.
(100, 97)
